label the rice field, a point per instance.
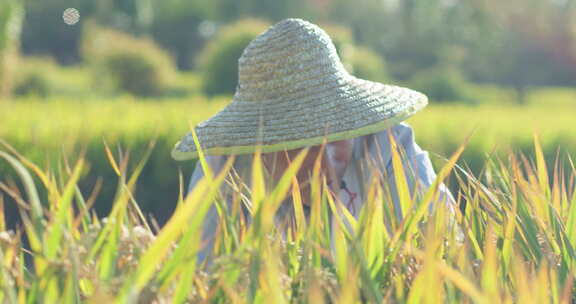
(514, 242)
(511, 240)
(57, 124)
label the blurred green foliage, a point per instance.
(35, 77)
(42, 77)
(366, 64)
(443, 85)
(219, 60)
(11, 16)
(125, 63)
(343, 40)
(176, 26)
(519, 44)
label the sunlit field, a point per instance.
(512, 238)
(497, 124)
(513, 242)
(94, 95)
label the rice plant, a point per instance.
(511, 239)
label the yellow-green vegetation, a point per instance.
(438, 127)
(497, 123)
(42, 129)
(137, 66)
(514, 242)
(41, 77)
(219, 60)
(518, 226)
(443, 127)
(53, 123)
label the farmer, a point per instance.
(294, 93)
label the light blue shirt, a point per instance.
(370, 151)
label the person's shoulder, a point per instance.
(402, 127)
(402, 132)
(379, 142)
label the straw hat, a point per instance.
(294, 92)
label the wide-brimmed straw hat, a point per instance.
(293, 92)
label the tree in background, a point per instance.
(367, 64)
(232, 10)
(11, 15)
(124, 63)
(45, 33)
(367, 19)
(219, 60)
(178, 26)
(528, 43)
(516, 43)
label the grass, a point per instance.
(514, 243)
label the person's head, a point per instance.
(293, 91)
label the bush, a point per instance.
(121, 62)
(359, 61)
(366, 64)
(34, 77)
(343, 41)
(219, 59)
(184, 85)
(443, 85)
(43, 77)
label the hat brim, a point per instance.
(354, 108)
